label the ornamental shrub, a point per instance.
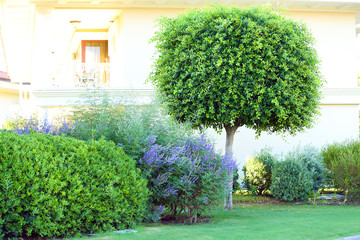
(291, 181)
(138, 124)
(95, 117)
(311, 158)
(258, 171)
(343, 161)
(55, 186)
(124, 123)
(186, 178)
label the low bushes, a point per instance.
(312, 159)
(124, 123)
(258, 171)
(185, 175)
(291, 181)
(186, 178)
(299, 175)
(343, 161)
(55, 186)
(296, 177)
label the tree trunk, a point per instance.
(230, 133)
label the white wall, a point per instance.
(137, 28)
(334, 33)
(8, 103)
(336, 123)
(335, 36)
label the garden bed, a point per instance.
(323, 199)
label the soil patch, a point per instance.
(171, 220)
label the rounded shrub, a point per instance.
(56, 186)
(258, 171)
(312, 159)
(186, 178)
(343, 161)
(291, 181)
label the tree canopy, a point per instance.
(224, 66)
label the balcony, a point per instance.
(82, 75)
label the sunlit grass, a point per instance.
(259, 222)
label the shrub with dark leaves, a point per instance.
(186, 178)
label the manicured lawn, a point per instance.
(260, 222)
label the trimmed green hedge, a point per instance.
(56, 186)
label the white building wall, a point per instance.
(336, 123)
(334, 33)
(8, 103)
(335, 36)
(137, 29)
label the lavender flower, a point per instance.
(160, 209)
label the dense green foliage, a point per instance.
(55, 186)
(311, 158)
(291, 181)
(186, 178)
(124, 123)
(95, 117)
(258, 171)
(225, 66)
(343, 160)
(184, 173)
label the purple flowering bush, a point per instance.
(185, 174)
(186, 178)
(23, 126)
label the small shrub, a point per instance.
(186, 178)
(343, 160)
(312, 159)
(139, 124)
(56, 186)
(124, 123)
(258, 172)
(95, 117)
(291, 181)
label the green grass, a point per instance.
(260, 222)
(243, 199)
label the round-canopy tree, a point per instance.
(225, 67)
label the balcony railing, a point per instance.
(83, 75)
